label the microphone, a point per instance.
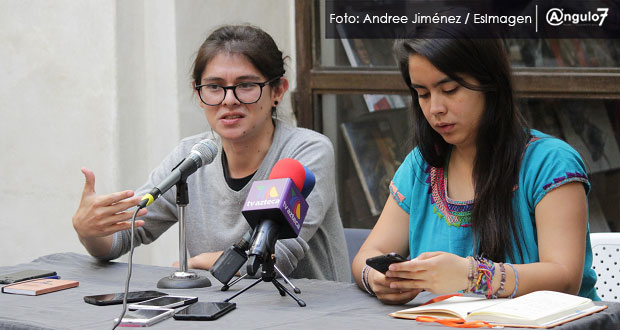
(276, 208)
(202, 153)
(231, 260)
(290, 168)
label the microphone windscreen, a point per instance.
(289, 168)
(308, 183)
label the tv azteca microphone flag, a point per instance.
(276, 199)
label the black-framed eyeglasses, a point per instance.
(245, 92)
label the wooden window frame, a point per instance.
(313, 80)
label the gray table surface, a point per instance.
(331, 305)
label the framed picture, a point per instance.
(375, 145)
(372, 53)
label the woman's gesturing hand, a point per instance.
(103, 215)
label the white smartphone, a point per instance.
(164, 302)
(144, 317)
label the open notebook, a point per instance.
(540, 309)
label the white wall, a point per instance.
(103, 84)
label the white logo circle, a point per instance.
(555, 16)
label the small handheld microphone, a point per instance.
(276, 208)
(202, 153)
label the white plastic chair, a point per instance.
(606, 264)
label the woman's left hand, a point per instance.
(437, 272)
(190, 263)
(202, 261)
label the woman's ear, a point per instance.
(197, 94)
(194, 89)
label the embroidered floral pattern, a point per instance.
(454, 213)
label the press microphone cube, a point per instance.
(279, 200)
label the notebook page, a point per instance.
(458, 305)
(536, 305)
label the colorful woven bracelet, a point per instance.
(484, 278)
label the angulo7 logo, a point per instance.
(557, 17)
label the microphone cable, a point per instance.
(129, 266)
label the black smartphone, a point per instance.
(117, 298)
(164, 302)
(382, 263)
(204, 311)
(23, 275)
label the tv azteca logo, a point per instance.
(265, 197)
(296, 203)
(268, 193)
(295, 213)
(271, 193)
(557, 17)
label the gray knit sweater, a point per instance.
(213, 217)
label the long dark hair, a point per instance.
(247, 40)
(501, 137)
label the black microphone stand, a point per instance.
(183, 278)
(268, 274)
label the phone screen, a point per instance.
(383, 262)
(163, 301)
(205, 311)
(141, 314)
(144, 317)
(117, 298)
(25, 275)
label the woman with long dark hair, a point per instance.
(238, 80)
(482, 204)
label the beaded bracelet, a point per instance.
(365, 272)
(516, 281)
(502, 282)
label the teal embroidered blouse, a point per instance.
(437, 223)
